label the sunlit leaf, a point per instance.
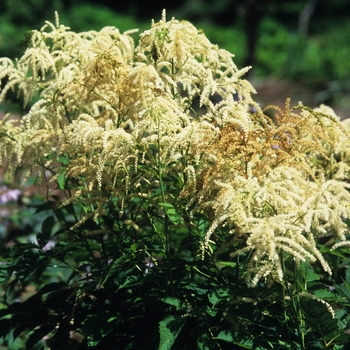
(225, 336)
(172, 301)
(169, 329)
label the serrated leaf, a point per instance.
(323, 294)
(106, 321)
(244, 343)
(343, 289)
(347, 275)
(172, 301)
(172, 213)
(343, 319)
(113, 269)
(225, 336)
(5, 273)
(193, 287)
(213, 298)
(312, 276)
(169, 329)
(318, 316)
(130, 281)
(308, 272)
(211, 312)
(26, 41)
(205, 342)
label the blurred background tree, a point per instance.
(304, 42)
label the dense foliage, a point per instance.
(177, 213)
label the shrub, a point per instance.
(188, 218)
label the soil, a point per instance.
(275, 92)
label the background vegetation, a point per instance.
(304, 41)
(298, 39)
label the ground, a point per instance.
(274, 91)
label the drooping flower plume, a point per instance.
(111, 120)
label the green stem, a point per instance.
(104, 251)
(87, 245)
(285, 315)
(167, 235)
(297, 312)
(166, 219)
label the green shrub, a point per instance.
(180, 214)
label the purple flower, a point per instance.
(149, 263)
(49, 245)
(8, 195)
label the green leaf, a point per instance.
(244, 343)
(308, 272)
(169, 329)
(26, 41)
(213, 298)
(221, 264)
(194, 288)
(44, 206)
(46, 229)
(48, 224)
(38, 334)
(63, 159)
(225, 336)
(60, 215)
(318, 317)
(347, 275)
(205, 342)
(130, 281)
(5, 273)
(343, 289)
(167, 205)
(106, 321)
(172, 301)
(324, 294)
(6, 325)
(211, 312)
(174, 216)
(172, 213)
(115, 268)
(312, 276)
(61, 179)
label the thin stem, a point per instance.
(166, 219)
(104, 251)
(299, 322)
(166, 229)
(87, 245)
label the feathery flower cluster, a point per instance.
(271, 185)
(114, 119)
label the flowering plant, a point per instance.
(174, 192)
